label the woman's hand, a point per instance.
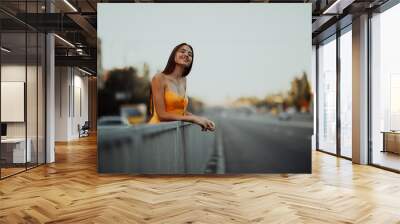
(210, 125)
(204, 123)
(200, 121)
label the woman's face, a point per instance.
(184, 56)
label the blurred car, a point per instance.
(135, 114)
(112, 121)
(284, 116)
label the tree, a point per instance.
(121, 87)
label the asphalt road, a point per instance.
(254, 144)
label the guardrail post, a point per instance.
(184, 149)
(179, 152)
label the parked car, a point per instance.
(133, 115)
(112, 121)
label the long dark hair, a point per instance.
(168, 70)
(171, 61)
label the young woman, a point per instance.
(168, 91)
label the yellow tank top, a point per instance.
(173, 104)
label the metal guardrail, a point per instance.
(166, 148)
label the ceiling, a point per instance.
(76, 21)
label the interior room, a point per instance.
(50, 64)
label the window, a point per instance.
(346, 93)
(385, 89)
(327, 96)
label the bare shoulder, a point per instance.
(158, 78)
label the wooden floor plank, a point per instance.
(71, 191)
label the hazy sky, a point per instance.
(241, 49)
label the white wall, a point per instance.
(62, 81)
(13, 73)
(80, 96)
(71, 94)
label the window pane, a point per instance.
(386, 89)
(327, 97)
(14, 153)
(346, 94)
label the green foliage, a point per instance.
(123, 86)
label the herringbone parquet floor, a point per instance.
(71, 191)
